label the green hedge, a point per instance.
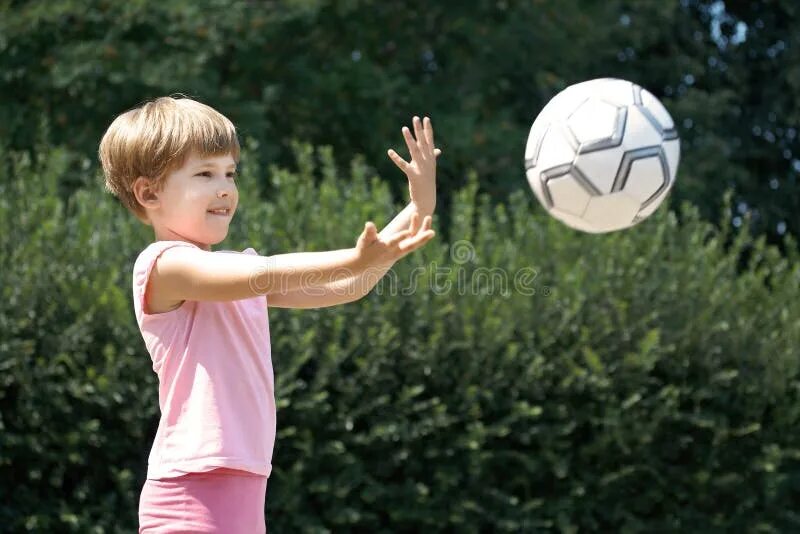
(644, 381)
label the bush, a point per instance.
(640, 381)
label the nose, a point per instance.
(222, 193)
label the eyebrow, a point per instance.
(203, 164)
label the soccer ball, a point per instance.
(602, 155)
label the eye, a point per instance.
(207, 174)
(233, 175)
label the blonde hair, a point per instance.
(156, 138)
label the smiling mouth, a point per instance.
(219, 212)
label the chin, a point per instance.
(217, 240)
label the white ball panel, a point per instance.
(612, 90)
(555, 111)
(564, 103)
(673, 151)
(568, 195)
(555, 150)
(571, 220)
(541, 122)
(535, 182)
(593, 120)
(538, 129)
(653, 206)
(534, 138)
(657, 109)
(601, 166)
(644, 178)
(611, 212)
(639, 132)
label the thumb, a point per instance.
(368, 235)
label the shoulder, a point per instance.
(154, 250)
(151, 302)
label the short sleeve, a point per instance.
(144, 265)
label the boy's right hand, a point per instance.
(373, 250)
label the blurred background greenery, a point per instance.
(350, 73)
(650, 383)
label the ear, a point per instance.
(145, 193)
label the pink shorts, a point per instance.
(222, 500)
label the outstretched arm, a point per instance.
(345, 286)
(421, 173)
(189, 273)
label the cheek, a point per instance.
(199, 195)
(191, 204)
(234, 197)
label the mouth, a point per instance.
(223, 212)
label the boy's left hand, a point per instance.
(421, 172)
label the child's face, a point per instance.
(183, 209)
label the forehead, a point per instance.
(196, 160)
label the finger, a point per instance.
(396, 238)
(419, 133)
(370, 232)
(400, 162)
(364, 238)
(416, 242)
(414, 226)
(427, 128)
(411, 143)
(423, 235)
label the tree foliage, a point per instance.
(349, 74)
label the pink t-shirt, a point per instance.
(215, 383)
